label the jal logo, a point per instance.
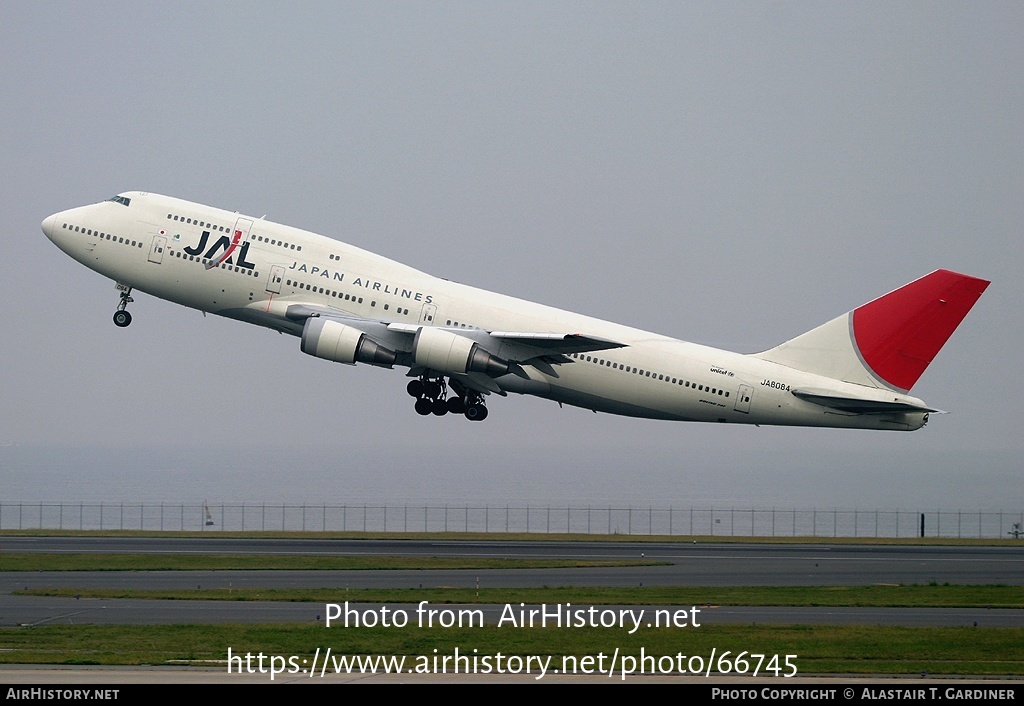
(220, 247)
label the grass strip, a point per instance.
(913, 596)
(818, 649)
(282, 562)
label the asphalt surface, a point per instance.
(689, 564)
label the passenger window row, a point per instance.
(647, 373)
(226, 229)
(323, 290)
(341, 295)
(205, 261)
(197, 222)
(278, 243)
(102, 236)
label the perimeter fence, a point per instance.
(694, 521)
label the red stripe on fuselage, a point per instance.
(899, 334)
(227, 253)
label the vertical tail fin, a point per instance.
(890, 341)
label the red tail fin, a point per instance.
(899, 334)
(887, 342)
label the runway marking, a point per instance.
(61, 617)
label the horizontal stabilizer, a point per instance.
(858, 404)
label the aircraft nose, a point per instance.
(48, 225)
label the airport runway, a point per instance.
(38, 610)
(690, 564)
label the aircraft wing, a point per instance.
(559, 342)
(541, 349)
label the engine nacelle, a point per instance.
(449, 352)
(332, 340)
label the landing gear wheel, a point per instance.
(456, 405)
(121, 317)
(415, 388)
(430, 394)
(476, 413)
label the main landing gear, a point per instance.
(121, 317)
(432, 398)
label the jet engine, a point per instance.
(449, 352)
(333, 340)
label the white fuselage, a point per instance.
(156, 244)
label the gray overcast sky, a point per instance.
(728, 173)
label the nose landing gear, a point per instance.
(122, 317)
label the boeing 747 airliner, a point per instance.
(461, 344)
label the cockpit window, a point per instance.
(123, 200)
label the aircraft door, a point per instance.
(242, 228)
(156, 251)
(276, 277)
(743, 397)
(427, 314)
